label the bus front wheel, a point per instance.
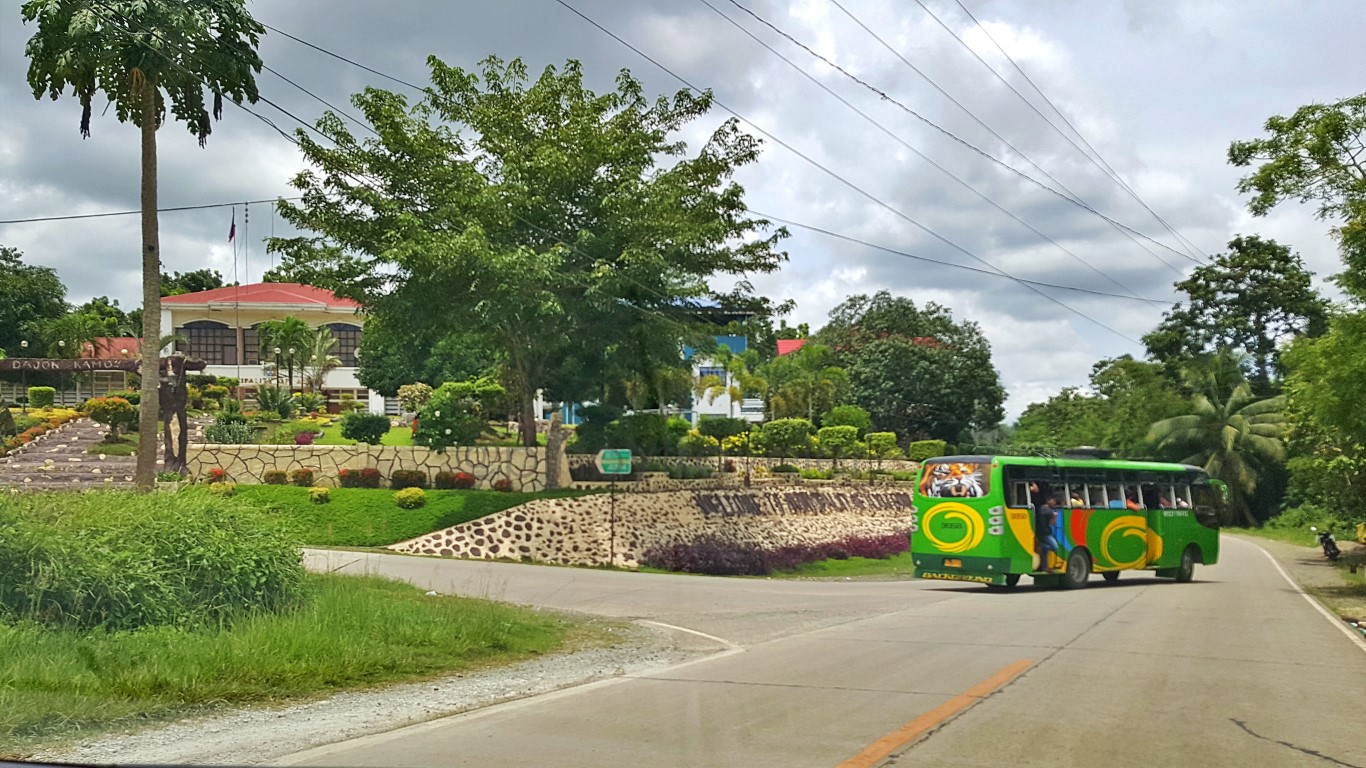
(1186, 570)
(1078, 569)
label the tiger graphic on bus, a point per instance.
(954, 480)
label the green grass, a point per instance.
(368, 517)
(1303, 537)
(400, 435)
(895, 566)
(354, 631)
(126, 446)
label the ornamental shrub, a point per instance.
(411, 397)
(847, 416)
(41, 397)
(723, 557)
(216, 475)
(231, 413)
(408, 478)
(453, 480)
(925, 449)
(303, 438)
(302, 477)
(215, 392)
(319, 495)
(837, 441)
(449, 419)
(229, 434)
(368, 477)
(882, 445)
(502, 484)
(410, 498)
(113, 412)
(278, 400)
(787, 437)
(223, 489)
(274, 477)
(365, 427)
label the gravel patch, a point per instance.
(257, 734)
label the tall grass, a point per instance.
(351, 631)
(119, 560)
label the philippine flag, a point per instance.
(232, 231)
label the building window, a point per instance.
(251, 346)
(214, 343)
(719, 373)
(348, 341)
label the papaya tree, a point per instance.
(149, 59)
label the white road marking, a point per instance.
(676, 628)
(1355, 637)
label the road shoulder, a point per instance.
(1329, 584)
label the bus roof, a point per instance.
(1045, 461)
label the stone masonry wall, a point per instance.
(589, 531)
(760, 464)
(526, 468)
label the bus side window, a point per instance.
(1019, 494)
(1096, 495)
(1203, 497)
(1183, 495)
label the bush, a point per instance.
(411, 397)
(169, 477)
(590, 436)
(410, 498)
(274, 477)
(408, 478)
(817, 474)
(785, 437)
(41, 397)
(113, 412)
(925, 449)
(449, 418)
(121, 561)
(689, 472)
(303, 438)
(310, 402)
(1302, 517)
(848, 416)
(502, 484)
(837, 441)
(698, 444)
(784, 469)
(882, 445)
(368, 477)
(215, 392)
(721, 557)
(447, 481)
(231, 413)
(275, 399)
(722, 427)
(216, 475)
(301, 477)
(319, 495)
(229, 434)
(365, 427)
(223, 489)
(131, 395)
(645, 434)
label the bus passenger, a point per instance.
(1044, 518)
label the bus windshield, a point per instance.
(955, 480)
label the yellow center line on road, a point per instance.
(893, 741)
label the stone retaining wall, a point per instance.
(589, 530)
(528, 469)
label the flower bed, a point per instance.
(48, 419)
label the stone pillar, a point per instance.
(556, 463)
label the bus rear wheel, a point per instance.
(1078, 569)
(1186, 570)
(1110, 576)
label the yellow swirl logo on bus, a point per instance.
(1129, 526)
(958, 527)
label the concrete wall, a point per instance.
(598, 529)
(528, 469)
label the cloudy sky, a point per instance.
(1158, 87)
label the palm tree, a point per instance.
(319, 359)
(286, 340)
(1235, 437)
(151, 59)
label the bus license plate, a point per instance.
(952, 562)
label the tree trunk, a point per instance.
(526, 422)
(146, 471)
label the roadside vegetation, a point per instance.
(117, 610)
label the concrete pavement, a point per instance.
(1235, 668)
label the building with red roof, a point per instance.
(788, 346)
(221, 327)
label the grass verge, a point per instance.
(368, 517)
(355, 631)
(896, 566)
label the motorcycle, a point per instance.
(1329, 544)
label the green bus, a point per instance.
(973, 519)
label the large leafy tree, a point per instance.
(1252, 299)
(190, 282)
(916, 371)
(393, 354)
(1316, 155)
(31, 296)
(1229, 430)
(555, 223)
(114, 319)
(150, 59)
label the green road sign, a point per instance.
(614, 461)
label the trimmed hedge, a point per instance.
(716, 556)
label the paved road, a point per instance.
(1233, 669)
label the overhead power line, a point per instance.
(841, 179)
(106, 214)
(1104, 167)
(922, 155)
